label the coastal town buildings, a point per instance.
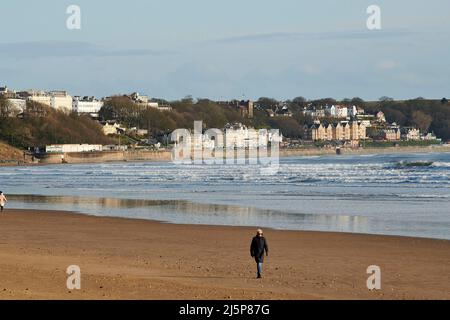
(429, 137)
(410, 134)
(245, 107)
(329, 111)
(327, 122)
(240, 136)
(86, 105)
(353, 111)
(339, 131)
(390, 133)
(145, 102)
(16, 104)
(341, 112)
(68, 148)
(381, 117)
(112, 128)
(366, 119)
(142, 100)
(61, 100)
(332, 111)
(38, 96)
(315, 132)
(358, 131)
(235, 135)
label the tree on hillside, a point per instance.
(356, 101)
(300, 101)
(394, 115)
(156, 121)
(50, 127)
(267, 103)
(346, 102)
(122, 109)
(422, 120)
(187, 100)
(325, 101)
(303, 119)
(289, 127)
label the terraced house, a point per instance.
(339, 131)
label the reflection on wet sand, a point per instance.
(186, 212)
(101, 202)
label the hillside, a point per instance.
(425, 114)
(10, 153)
(41, 126)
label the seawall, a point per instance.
(165, 155)
(106, 156)
(344, 151)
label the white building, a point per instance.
(60, 100)
(331, 110)
(337, 111)
(37, 96)
(242, 137)
(88, 105)
(320, 113)
(145, 101)
(236, 135)
(341, 112)
(112, 128)
(233, 136)
(410, 134)
(428, 137)
(352, 111)
(380, 116)
(67, 148)
(136, 97)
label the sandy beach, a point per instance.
(136, 259)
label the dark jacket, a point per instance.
(259, 244)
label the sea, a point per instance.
(386, 194)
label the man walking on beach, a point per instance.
(257, 248)
(2, 201)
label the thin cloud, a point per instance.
(63, 49)
(343, 35)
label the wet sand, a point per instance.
(136, 259)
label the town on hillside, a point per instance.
(141, 122)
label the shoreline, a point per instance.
(165, 155)
(69, 211)
(122, 258)
(365, 151)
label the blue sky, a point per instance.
(228, 49)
